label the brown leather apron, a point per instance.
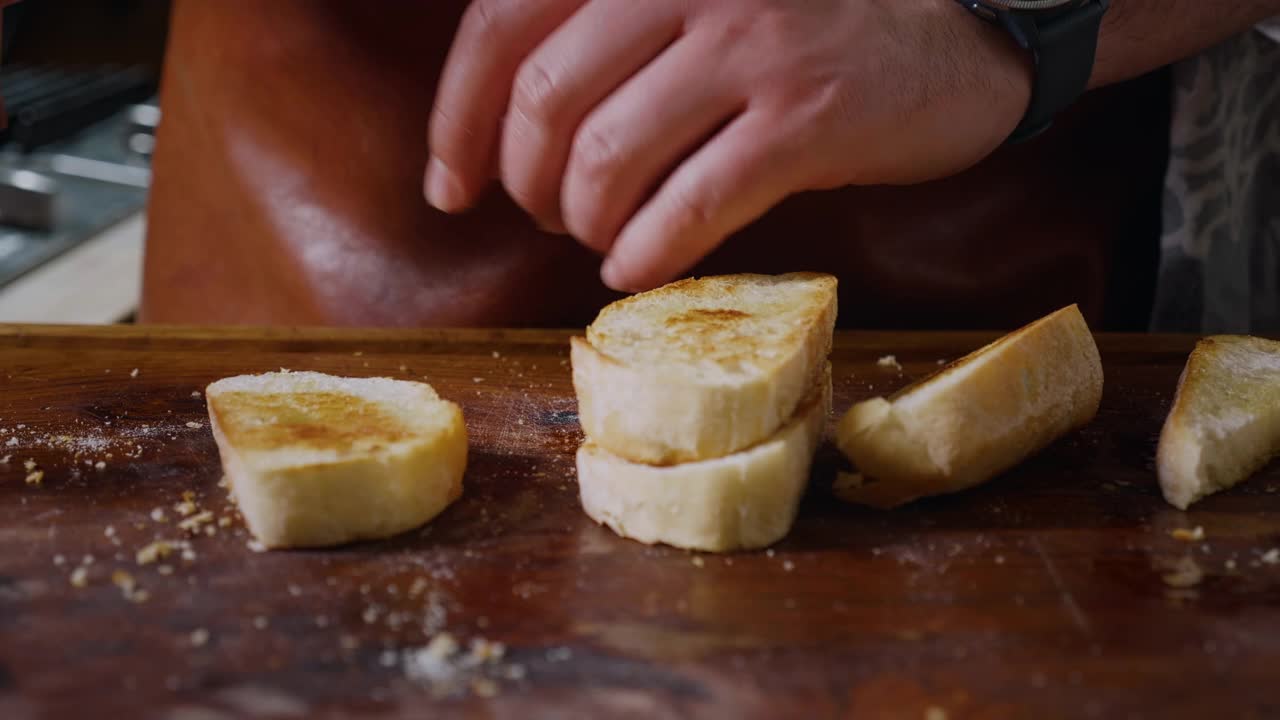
(288, 190)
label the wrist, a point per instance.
(1005, 70)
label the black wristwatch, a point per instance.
(1062, 37)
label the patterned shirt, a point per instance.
(1220, 251)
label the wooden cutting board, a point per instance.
(1055, 591)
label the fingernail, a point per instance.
(612, 275)
(444, 191)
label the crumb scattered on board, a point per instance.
(1195, 534)
(889, 361)
(1184, 573)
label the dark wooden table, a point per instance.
(1055, 591)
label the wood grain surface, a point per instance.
(1057, 590)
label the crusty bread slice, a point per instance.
(702, 368)
(318, 460)
(976, 418)
(741, 501)
(1225, 421)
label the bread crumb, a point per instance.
(477, 379)
(483, 651)
(195, 425)
(416, 588)
(256, 546)
(109, 531)
(1230, 564)
(260, 622)
(59, 560)
(1185, 573)
(496, 354)
(133, 373)
(358, 353)
(100, 466)
(129, 587)
(199, 637)
(697, 561)
(788, 566)
(404, 368)
(158, 550)
(1188, 535)
(157, 515)
(5, 460)
(1272, 556)
(933, 712)
(999, 559)
(35, 477)
(80, 577)
(889, 361)
(164, 569)
(29, 464)
(224, 521)
(195, 393)
(193, 523)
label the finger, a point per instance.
(745, 170)
(493, 38)
(626, 146)
(584, 60)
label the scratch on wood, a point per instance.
(1068, 600)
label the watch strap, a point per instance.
(1064, 46)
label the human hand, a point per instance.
(653, 130)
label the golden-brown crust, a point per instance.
(312, 420)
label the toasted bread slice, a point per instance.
(1225, 421)
(741, 501)
(702, 368)
(318, 460)
(976, 418)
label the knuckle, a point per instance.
(484, 21)
(536, 94)
(597, 155)
(689, 209)
(768, 26)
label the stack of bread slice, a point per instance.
(703, 403)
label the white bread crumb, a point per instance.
(889, 361)
(1188, 535)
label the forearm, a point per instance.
(1141, 35)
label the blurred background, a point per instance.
(79, 82)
